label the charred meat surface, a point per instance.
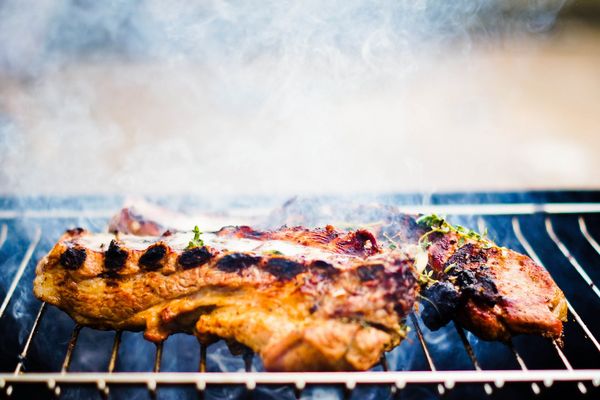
(495, 292)
(492, 291)
(304, 299)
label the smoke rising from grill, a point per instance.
(253, 98)
(226, 97)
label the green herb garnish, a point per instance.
(273, 252)
(426, 278)
(196, 241)
(439, 224)
(449, 268)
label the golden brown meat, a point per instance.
(303, 299)
(492, 291)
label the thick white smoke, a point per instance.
(260, 97)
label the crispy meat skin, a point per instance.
(306, 309)
(507, 292)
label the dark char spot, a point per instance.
(476, 285)
(324, 267)
(152, 257)
(467, 254)
(111, 282)
(236, 262)
(284, 269)
(75, 231)
(440, 302)
(194, 257)
(114, 257)
(369, 272)
(484, 291)
(73, 258)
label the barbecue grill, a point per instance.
(44, 354)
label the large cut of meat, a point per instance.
(303, 299)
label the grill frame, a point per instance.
(444, 380)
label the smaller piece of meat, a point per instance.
(500, 292)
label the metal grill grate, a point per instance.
(572, 257)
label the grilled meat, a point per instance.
(492, 291)
(303, 299)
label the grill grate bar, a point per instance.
(157, 362)
(582, 388)
(268, 378)
(384, 363)
(202, 366)
(517, 229)
(67, 360)
(562, 356)
(534, 386)
(446, 209)
(469, 349)
(430, 362)
(13, 286)
(72, 343)
(587, 235)
(23, 355)
(583, 325)
(422, 341)
(467, 345)
(112, 363)
(158, 356)
(3, 234)
(32, 332)
(563, 249)
(114, 354)
(248, 356)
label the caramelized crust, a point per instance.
(303, 299)
(503, 292)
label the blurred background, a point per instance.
(227, 97)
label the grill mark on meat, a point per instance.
(153, 256)
(284, 269)
(194, 257)
(237, 262)
(73, 258)
(114, 257)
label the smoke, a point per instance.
(278, 98)
(244, 97)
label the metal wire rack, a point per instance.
(576, 271)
